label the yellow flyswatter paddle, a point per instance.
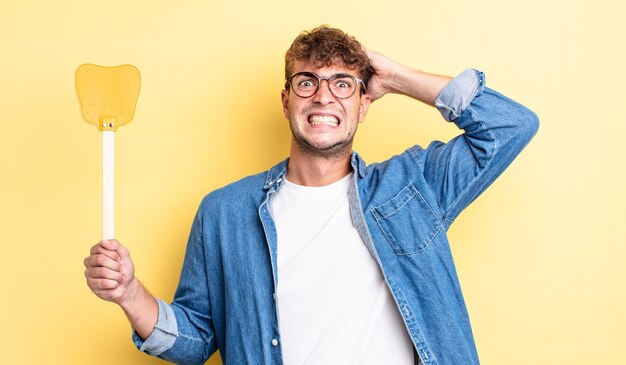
(107, 96)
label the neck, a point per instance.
(311, 170)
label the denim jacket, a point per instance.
(401, 208)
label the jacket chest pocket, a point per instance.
(407, 221)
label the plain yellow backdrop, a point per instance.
(540, 255)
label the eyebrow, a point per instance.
(338, 74)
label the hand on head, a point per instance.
(385, 71)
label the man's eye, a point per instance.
(306, 83)
(343, 84)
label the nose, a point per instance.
(323, 95)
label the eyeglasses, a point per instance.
(341, 85)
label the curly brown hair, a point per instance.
(325, 46)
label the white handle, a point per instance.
(108, 163)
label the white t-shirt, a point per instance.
(334, 306)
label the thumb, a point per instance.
(111, 245)
(122, 251)
(115, 245)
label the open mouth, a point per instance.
(321, 120)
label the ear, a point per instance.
(284, 98)
(365, 101)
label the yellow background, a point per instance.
(540, 255)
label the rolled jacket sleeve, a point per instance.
(459, 93)
(164, 334)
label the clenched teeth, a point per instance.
(323, 119)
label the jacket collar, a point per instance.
(358, 164)
(276, 175)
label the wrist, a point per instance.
(394, 78)
(141, 308)
(131, 295)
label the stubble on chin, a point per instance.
(336, 151)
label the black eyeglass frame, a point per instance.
(328, 80)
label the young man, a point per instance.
(323, 259)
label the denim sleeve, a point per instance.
(495, 130)
(458, 93)
(184, 333)
(164, 333)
